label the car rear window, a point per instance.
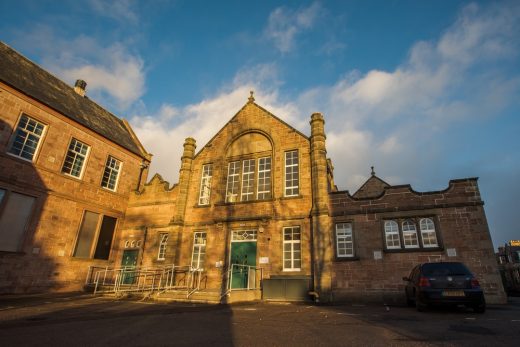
(445, 269)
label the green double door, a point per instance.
(129, 262)
(242, 254)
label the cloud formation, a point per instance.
(115, 76)
(121, 10)
(390, 119)
(285, 24)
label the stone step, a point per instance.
(204, 296)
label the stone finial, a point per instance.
(373, 173)
(251, 97)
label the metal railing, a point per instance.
(147, 279)
(243, 277)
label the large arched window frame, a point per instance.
(249, 168)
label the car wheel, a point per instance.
(480, 308)
(419, 305)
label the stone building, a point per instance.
(508, 258)
(262, 194)
(255, 213)
(67, 167)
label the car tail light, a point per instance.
(424, 282)
(475, 283)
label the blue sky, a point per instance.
(426, 91)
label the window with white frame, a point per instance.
(344, 240)
(392, 235)
(402, 234)
(248, 180)
(163, 241)
(26, 138)
(199, 250)
(264, 178)
(428, 235)
(15, 215)
(410, 234)
(244, 235)
(292, 249)
(292, 178)
(233, 181)
(111, 173)
(75, 159)
(205, 184)
(240, 184)
(95, 236)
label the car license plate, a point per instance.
(453, 293)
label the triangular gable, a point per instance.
(372, 188)
(250, 103)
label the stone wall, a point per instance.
(45, 260)
(462, 231)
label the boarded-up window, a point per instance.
(14, 218)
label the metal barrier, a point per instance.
(148, 279)
(244, 277)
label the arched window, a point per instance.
(410, 234)
(392, 235)
(429, 237)
(249, 168)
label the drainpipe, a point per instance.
(144, 244)
(143, 167)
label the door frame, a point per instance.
(231, 241)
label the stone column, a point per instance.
(184, 180)
(322, 246)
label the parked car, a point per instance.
(446, 283)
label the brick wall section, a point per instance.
(461, 223)
(45, 261)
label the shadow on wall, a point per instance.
(24, 265)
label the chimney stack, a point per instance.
(80, 87)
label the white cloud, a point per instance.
(285, 24)
(120, 10)
(119, 75)
(115, 76)
(393, 120)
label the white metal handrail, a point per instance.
(133, 279)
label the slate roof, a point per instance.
(22, 74)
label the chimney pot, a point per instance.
(80, 86)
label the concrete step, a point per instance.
(204, 296)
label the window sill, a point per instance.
(414, 250)
(291, 197)
(240, 202)
(342, 259)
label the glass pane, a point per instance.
(14, 220)
(106, 234)
(86, 235)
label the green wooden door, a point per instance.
(129, 262)
(242, 253)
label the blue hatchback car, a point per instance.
(444, 283)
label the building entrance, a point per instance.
(243, 259)
(129, 263)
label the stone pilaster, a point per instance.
(323, 250)
(184, 180)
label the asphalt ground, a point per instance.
(84, 320)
